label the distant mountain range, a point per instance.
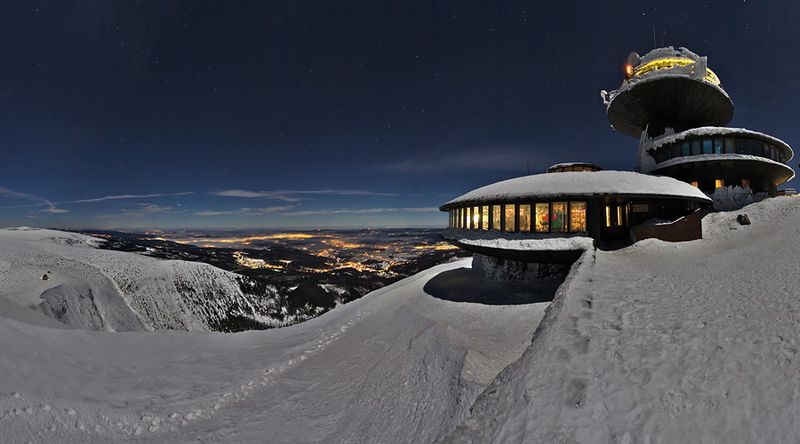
(132, 281)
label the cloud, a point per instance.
(244, 211)
(484, 159)
(296, 195)
(146, 209)
(34, 201)
(358, 211)
(128, 196)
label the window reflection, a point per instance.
(525, 218)
(510, 213)
(542, 217)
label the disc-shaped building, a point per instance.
(565, 203)
(675, 105)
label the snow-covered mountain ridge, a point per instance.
(65, 276)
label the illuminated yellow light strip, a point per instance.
(672, 62)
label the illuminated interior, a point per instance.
(695, 184)
(558, 217)
(496, 217)
(608, 216)
(620, 220)
(669, 63)
(510, 210)
(525, 218)
(719, 183)
(577, 216)
(542, 217)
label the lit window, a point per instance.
(542, 217)
(558, 218)
(496, 217)
(510, 210)
(608, 216)
(525, 218)
(719, 183)
(745, 183)
(577, 216)
(476, 218)
(695, 184)
(484, 217)
(468, 218)
(620, 220)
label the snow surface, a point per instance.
(397, 365)
(582, 184)
(664, 342)
(658, 342)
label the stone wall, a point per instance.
(498, 269)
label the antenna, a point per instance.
(654, 35)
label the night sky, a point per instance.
(338, 113)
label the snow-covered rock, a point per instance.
(96, 289)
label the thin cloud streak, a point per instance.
(295, 195)
(40, 201)
(358, 211)
(244, 211)
(128, 196)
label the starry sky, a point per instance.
(297, 114)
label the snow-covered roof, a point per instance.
(720, 131)
(595, 183)
(718, 157)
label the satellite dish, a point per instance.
(634, 59)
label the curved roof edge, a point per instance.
(581, 184)
(719, 131)
(721, 157)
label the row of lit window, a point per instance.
(727, 145)
(720, 183)
(542, 217)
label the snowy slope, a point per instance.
(394, 366)
(662, 342)
(96, 289)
